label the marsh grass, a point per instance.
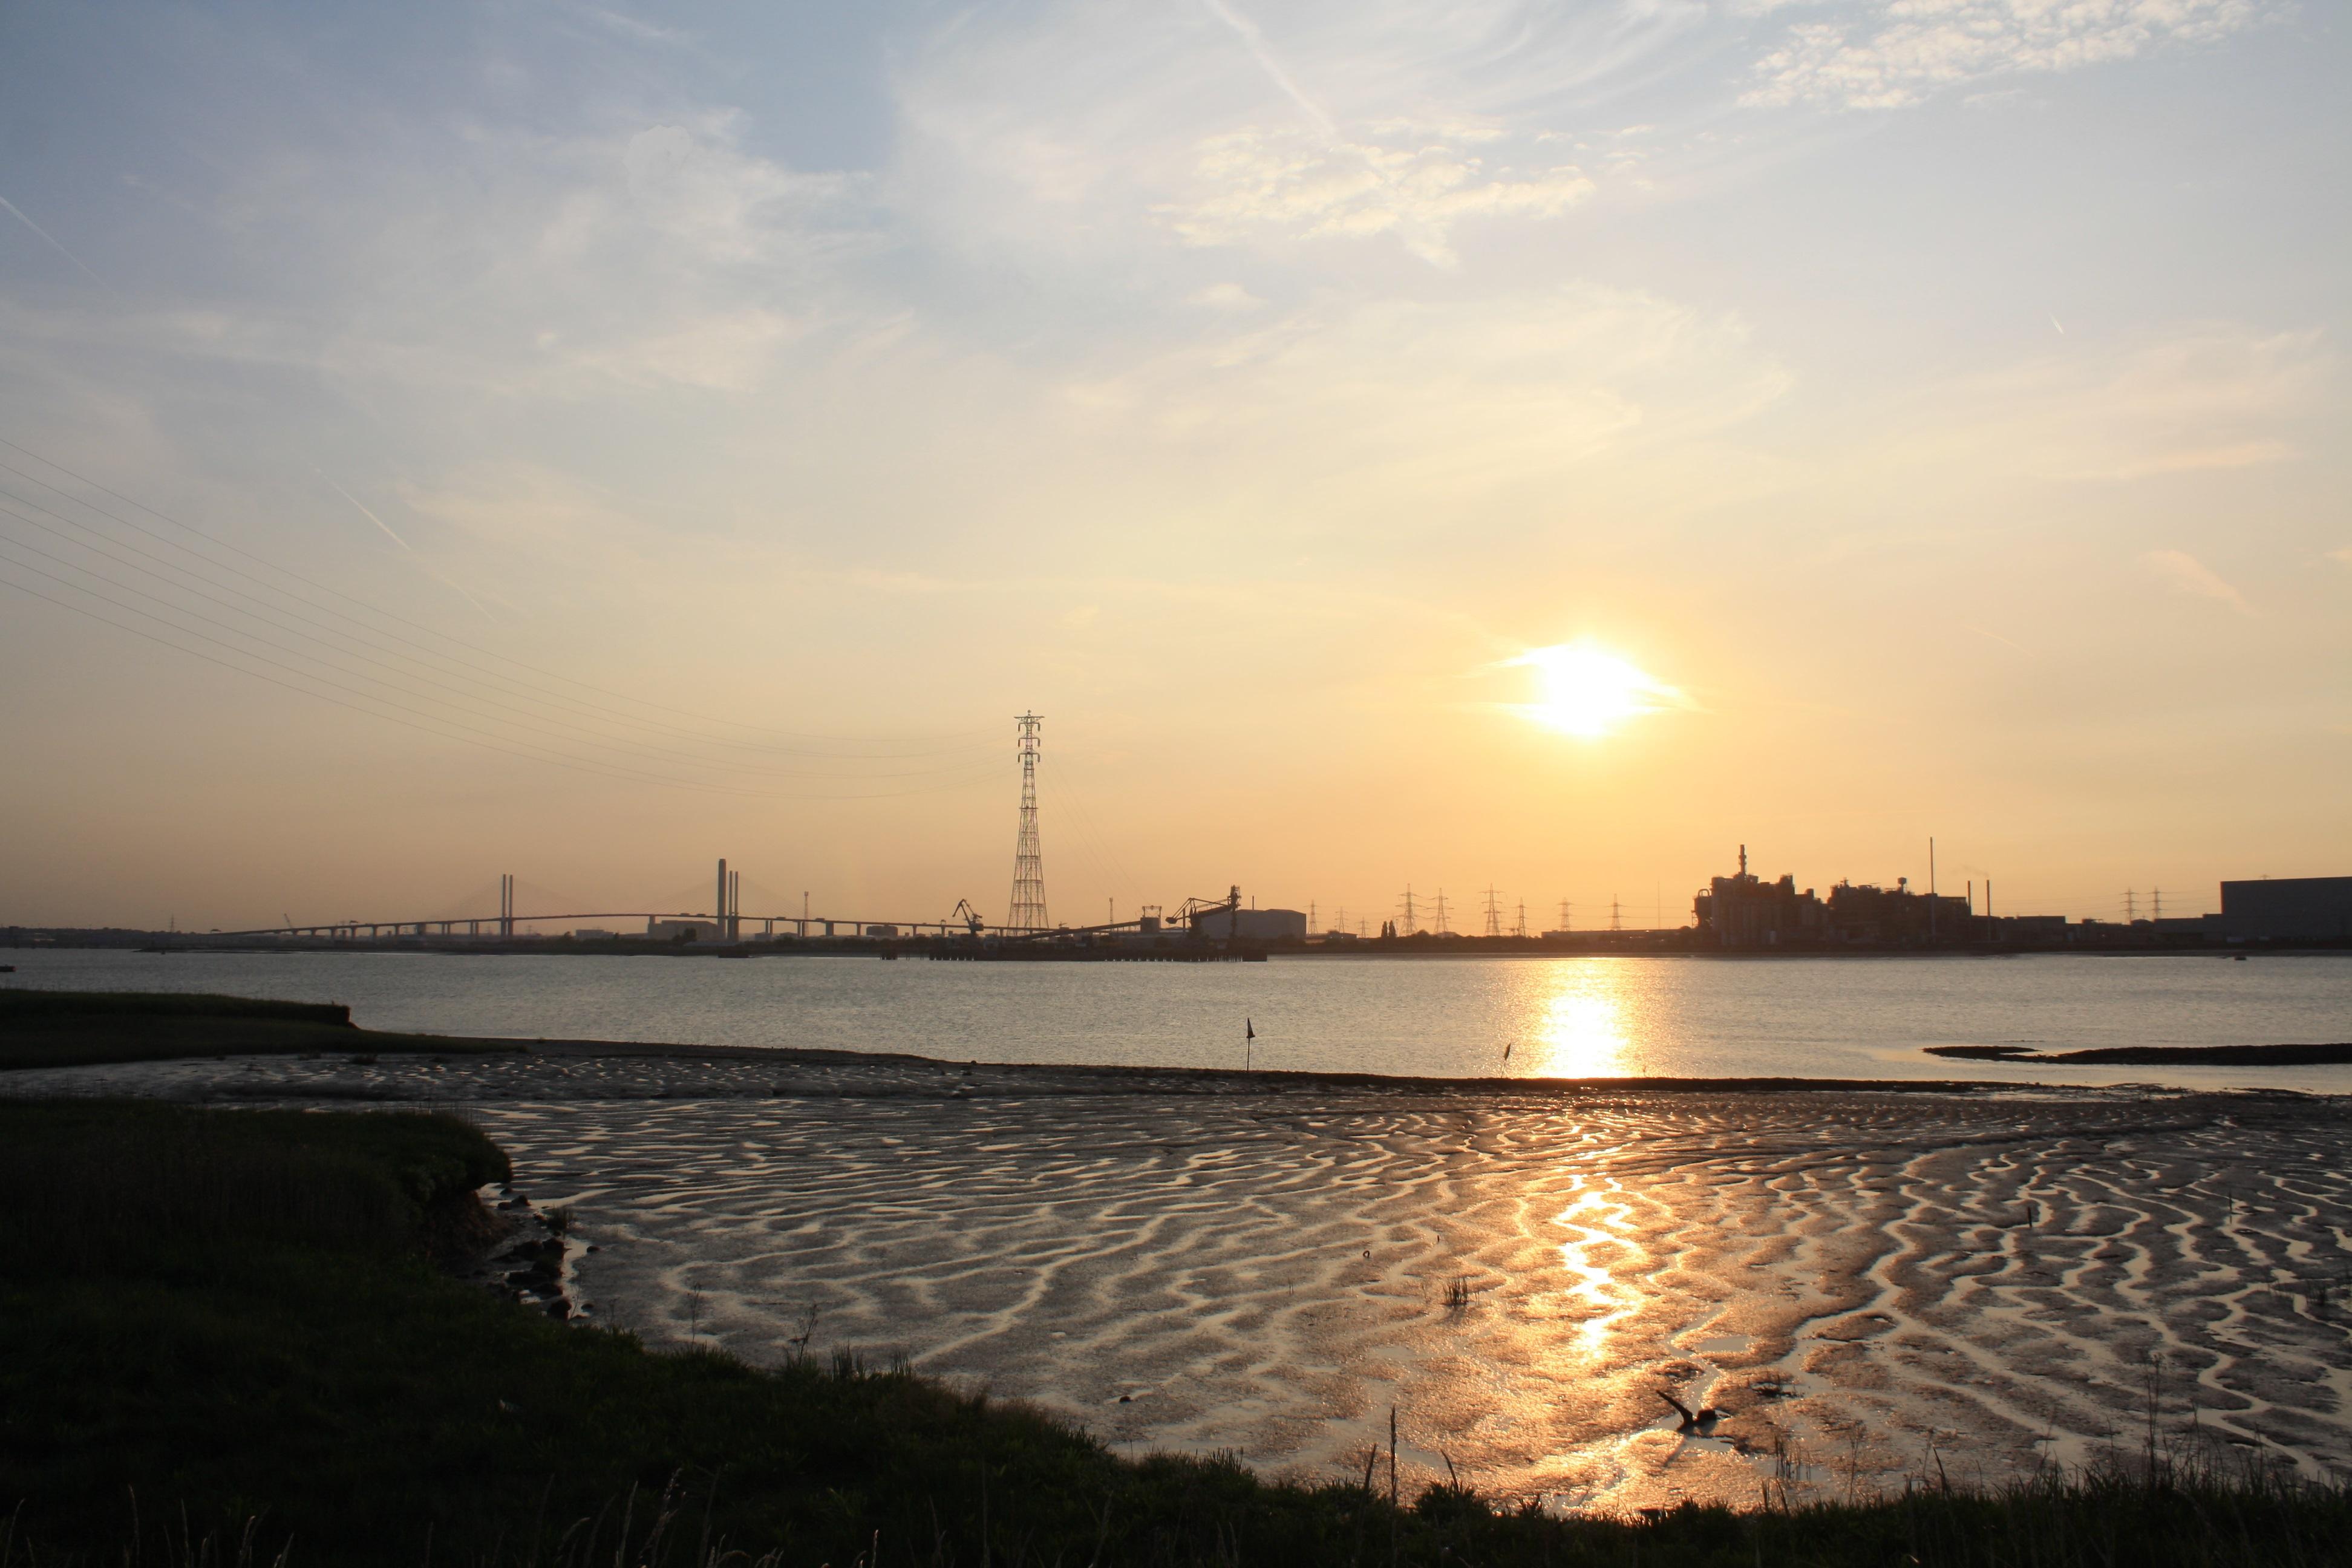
(225, 1347)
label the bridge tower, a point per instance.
(1028, 911)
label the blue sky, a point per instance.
(1943, 396)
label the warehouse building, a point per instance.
(2288, 908)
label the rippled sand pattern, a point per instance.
(1866, 1284)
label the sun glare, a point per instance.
(1584, 691)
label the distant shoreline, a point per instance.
(2284, 1055)
(1671, 943)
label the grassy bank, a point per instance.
(80, 1028)
(227, 1327)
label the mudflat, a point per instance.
(1863, 1283)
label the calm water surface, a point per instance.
(1558, 1016)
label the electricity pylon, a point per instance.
(1028, 912)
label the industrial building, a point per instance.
(1868, 916)
(1747, 911)
(1253, 925)
(680, 930)
(2287, 909)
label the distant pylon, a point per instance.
(1616, 914)
(1028, 912)
(2156, 898)
(1494, 913)
(2131, 906)
(1519, 926)
(1410, 924)
(1564, 907)
(1444, 925)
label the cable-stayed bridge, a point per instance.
(727, 923)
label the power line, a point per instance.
(577, 733)
(373, 653)
(390, 616)
(483, 739)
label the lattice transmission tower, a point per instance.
(1494, 913)
(1028, 911)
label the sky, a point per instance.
(452, 439)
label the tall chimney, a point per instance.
(719, 905)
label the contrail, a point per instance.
(1255, 43)
(423, 564)
(454, 587)
(20, 214)
(365, 514)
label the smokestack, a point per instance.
(719, 905)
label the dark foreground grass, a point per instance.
(82, 1028)
(222, 1338)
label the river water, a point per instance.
(1536, 1017)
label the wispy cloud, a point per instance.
(1378, 408)
(2186, 574)
(2210, 398)
(1260, 184)
(1224, 297)
(1898, 52)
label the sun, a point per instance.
(1586, 692)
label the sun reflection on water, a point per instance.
(1580, 1026)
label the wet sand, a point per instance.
(1866, 1282)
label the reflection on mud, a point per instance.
(1601, 1260)
(1865, 1286)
